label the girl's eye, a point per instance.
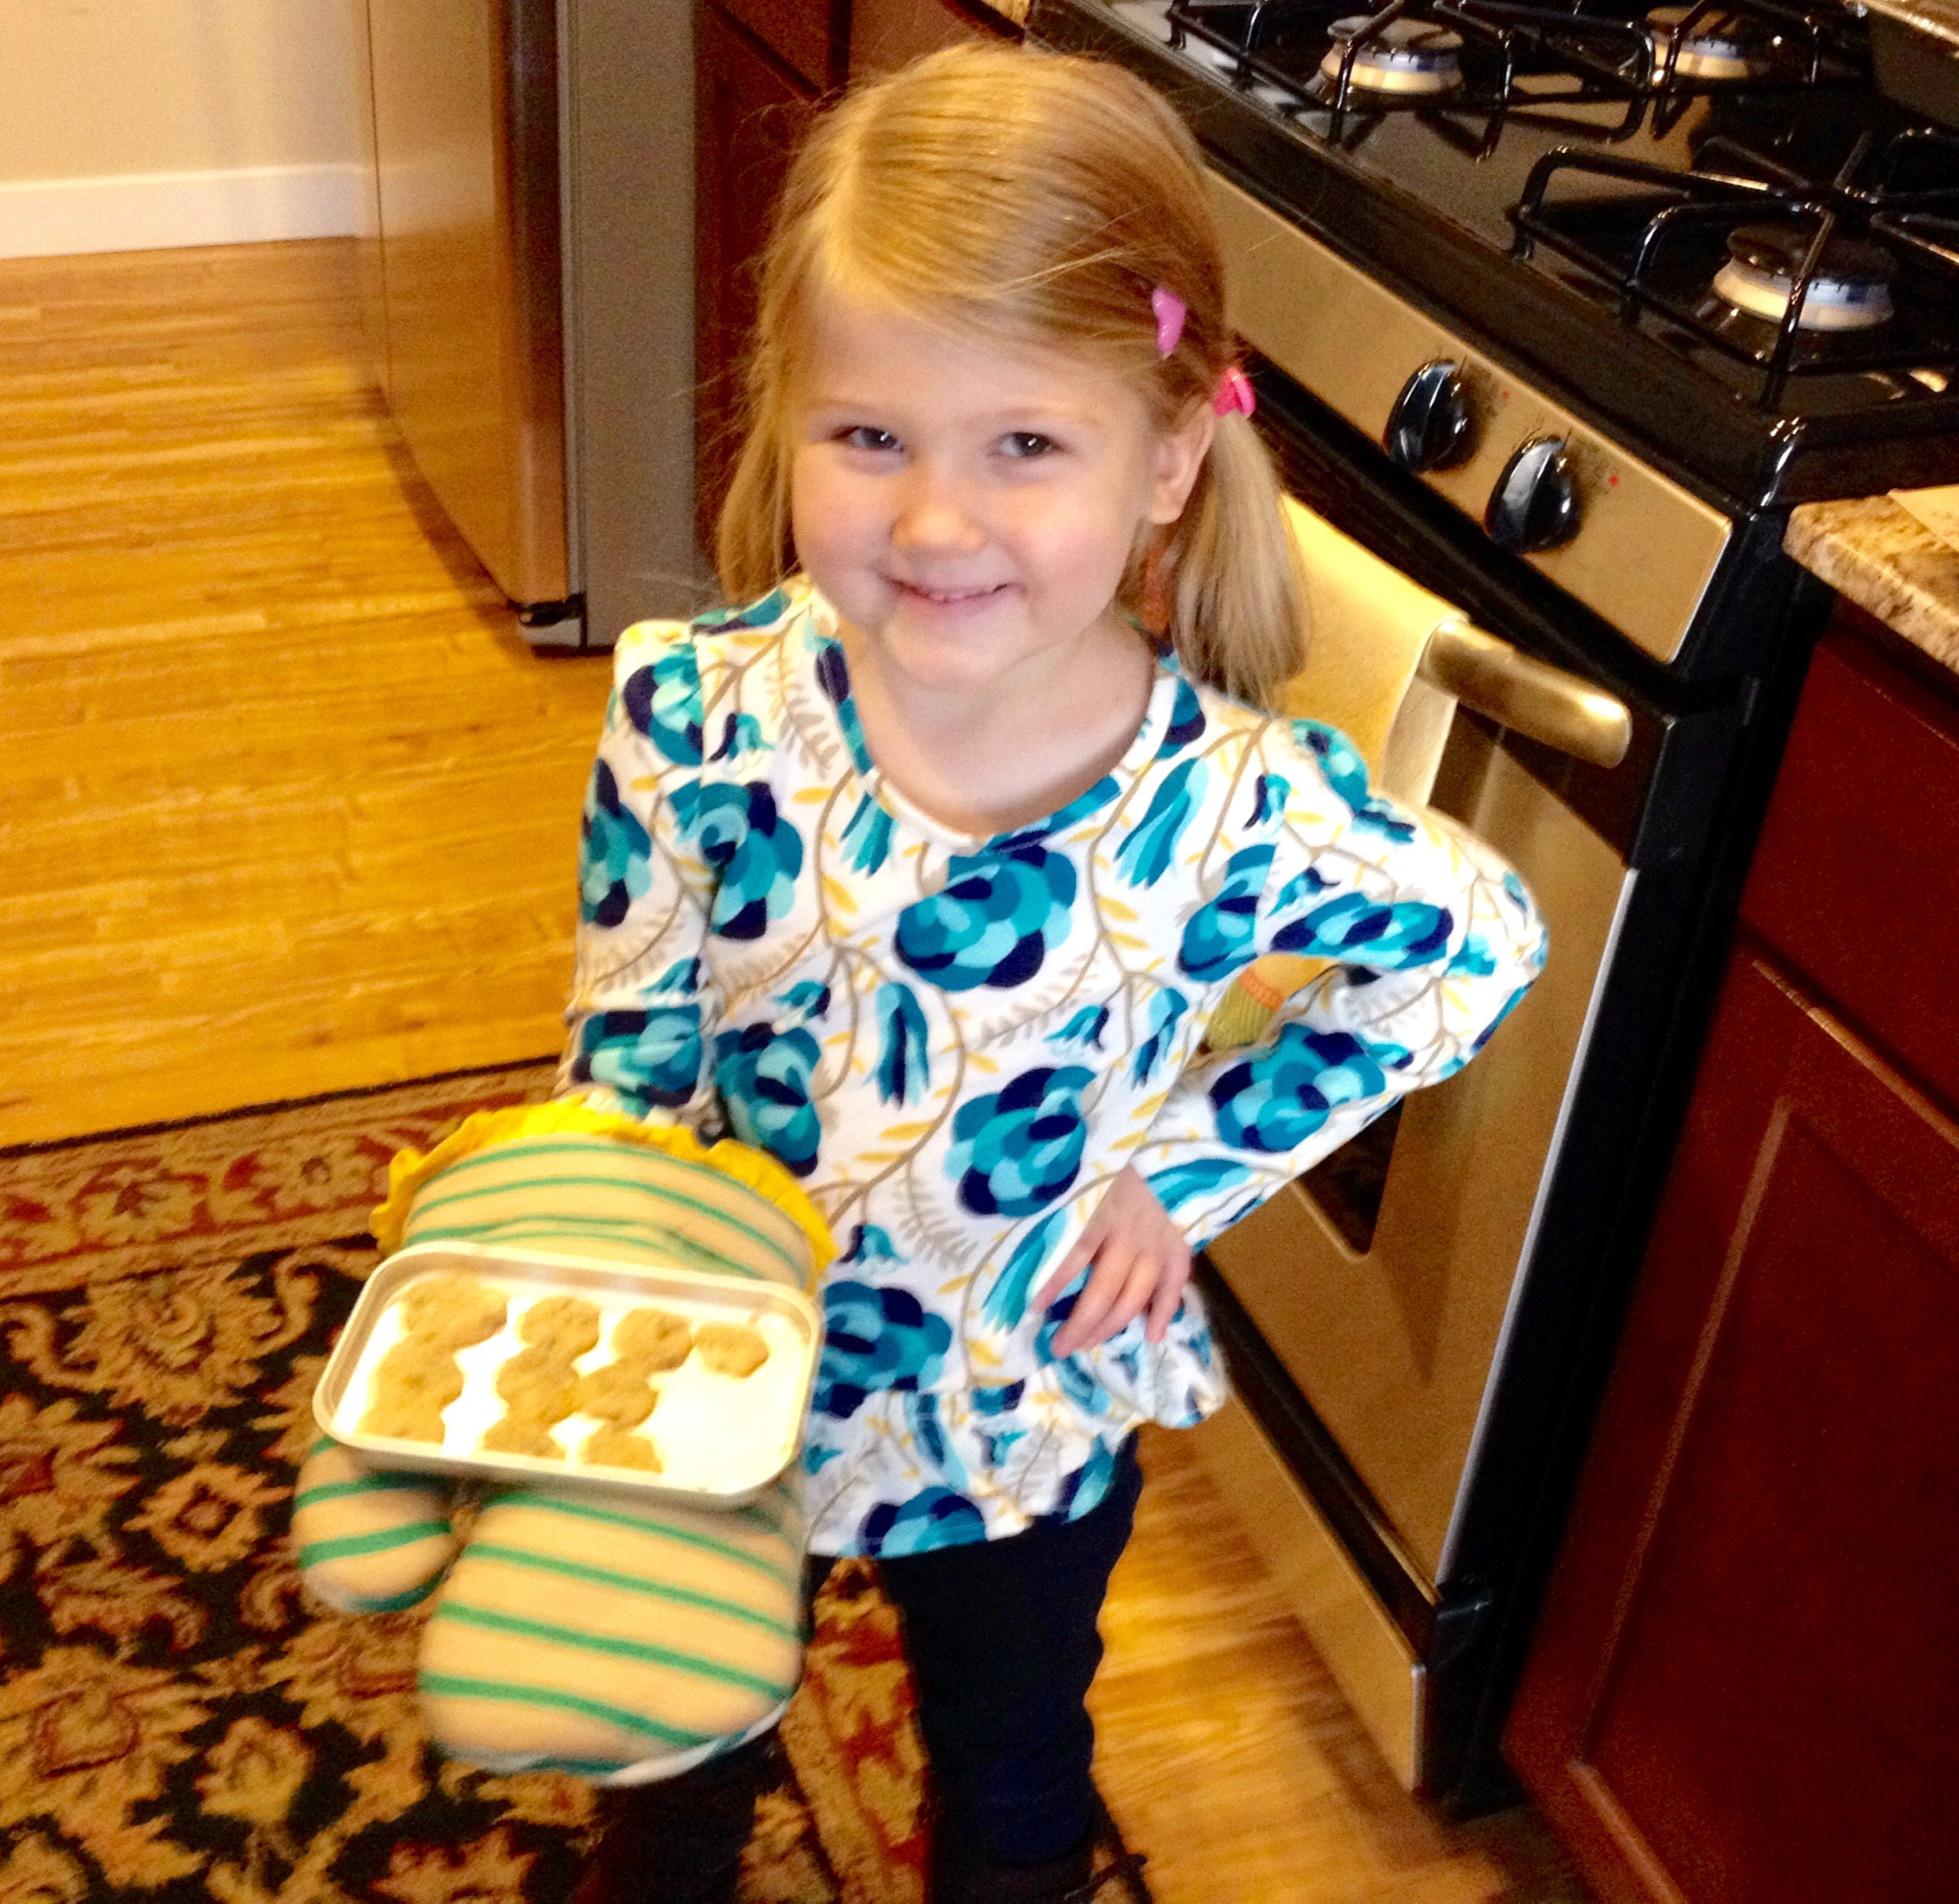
(868, 437)
(1024, 444)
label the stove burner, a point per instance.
(1850, 289)
(1404, 57)
(1716, 46)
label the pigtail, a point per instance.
(1236, 586)
(752, 549)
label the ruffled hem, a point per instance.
(408, 1170)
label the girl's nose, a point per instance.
(935, 514)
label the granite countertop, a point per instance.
(1889, 563)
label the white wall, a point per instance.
(126, 124)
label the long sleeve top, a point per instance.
(956, 1043)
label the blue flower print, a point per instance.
(1014, 1151)
(757, 614)
(1177, 1184)
(1006, 1301)
(935, 1518)
(833, 677)
(869, 1243)
(740, 733)
(762, 1076)
(662, 700)
(1075, 1382)
(1339, 761)
(1274, 1101)
(1147, 851)
(1165, 1013)
(1269, 797)
(1085, 1028)
(1085, 1489)
(904, 1064)
(648, 1058)
(1376, 816)
(615, 856)
(876, 1339)
(1185, 723)
(1356, 929)
(995, 920)
(867, 838)
(756, 853)
(1217, 936)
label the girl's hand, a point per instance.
(1140, 1260)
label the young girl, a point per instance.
(925, 873)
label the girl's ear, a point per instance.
(1180, 453)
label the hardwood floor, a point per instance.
(287, 805)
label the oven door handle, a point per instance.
(1543, 704)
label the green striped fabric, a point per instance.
(366, 1540)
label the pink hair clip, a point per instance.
(1170, 312)
(1235, 393)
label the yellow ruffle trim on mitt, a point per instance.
(408, 1170)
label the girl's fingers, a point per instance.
(1105, 1288)
(1170, 1285)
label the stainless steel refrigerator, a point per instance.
(528, 287)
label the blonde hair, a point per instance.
(1008, 197)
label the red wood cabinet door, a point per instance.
(749, 112)
(1745, 1682)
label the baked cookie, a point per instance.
(417, 1374)
(538, 1384)
(403, 1421)
(455, 1309)
(616, 1393)
(565, 1324)
(654, 1339)
(520, 1434)
(730, 1348)
(619, 1448)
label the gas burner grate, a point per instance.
(1495, 57)
(1815, 277)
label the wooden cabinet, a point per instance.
(751, 105)
(760, 67)
(1743, 1680)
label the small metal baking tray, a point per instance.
(723, 1440)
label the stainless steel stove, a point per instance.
(1558, 309)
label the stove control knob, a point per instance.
(1535, 502)
(1430, 426)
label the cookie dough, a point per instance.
(654, 1339)
(565, 1324)
(521, 1434)
(619, 1448)
(616, 1393)
(539, 1385)
(455, 1310)
(730, 1348)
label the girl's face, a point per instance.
(971, 511)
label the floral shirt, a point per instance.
(956, 1043)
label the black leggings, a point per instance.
(1003, 1644)
(1002, 1640)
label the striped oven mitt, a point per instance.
(620, 1643)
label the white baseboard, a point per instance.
(156, 210)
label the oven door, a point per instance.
(1382, 1280)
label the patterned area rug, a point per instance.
(176, 1721)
